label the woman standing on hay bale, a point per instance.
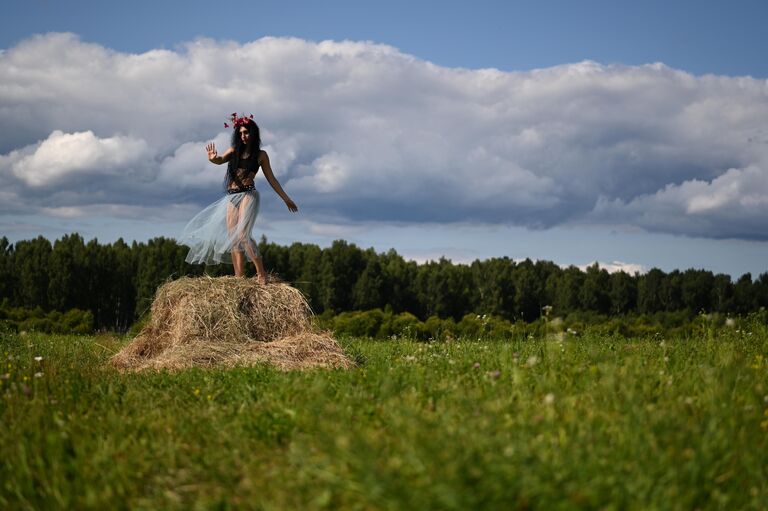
(221, 233)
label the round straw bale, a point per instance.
(229, 321)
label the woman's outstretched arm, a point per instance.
(267, 168)
(214, 157)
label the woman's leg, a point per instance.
(238, 259)
(248, 245)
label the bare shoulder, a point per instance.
(228, 153)
(263, 157)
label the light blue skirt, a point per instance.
(222, 227)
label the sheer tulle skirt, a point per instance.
(222, 227)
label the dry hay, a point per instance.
(229, 321)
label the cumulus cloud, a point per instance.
(63, 157)
(735, 204)
(358, 131)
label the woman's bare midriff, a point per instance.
(244, 179)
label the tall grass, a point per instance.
(593, 422)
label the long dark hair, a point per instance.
(252, 149)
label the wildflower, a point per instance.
(549, 399)
(494, 375)
(410, 358)
(197, 392)
(38, 359)
(38, 375)
(532, 361)
(476, 365)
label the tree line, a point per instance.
(117, 281)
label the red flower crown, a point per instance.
(238, 121)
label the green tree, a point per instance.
(68, 287)
(443, 288)
(744, 296)
(567, 290)
(623, 293)
(493, 287)
(650, 292)
(7, 274)
(31, 265)
(123, 290)
(672, 291)
(158, 260)
(722, 293)
(399, 278)
(595, 291)
(697, 290)
(304, 261)
(528, 291)
(761, 290)
(341, 266)
(369, 288)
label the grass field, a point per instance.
(591, 422)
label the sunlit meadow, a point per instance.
(587, 422)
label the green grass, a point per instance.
(593, 422)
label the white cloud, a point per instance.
(734, 204)
(617, 266)
(362, 132)
(63, 156)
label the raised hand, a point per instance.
(212, 154)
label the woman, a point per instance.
(222, 231)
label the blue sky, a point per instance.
(634, 134)
(701, 37)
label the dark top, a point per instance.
(244, 174)
(250, 164)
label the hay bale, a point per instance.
(229, 321)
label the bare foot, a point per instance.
(261, 278)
